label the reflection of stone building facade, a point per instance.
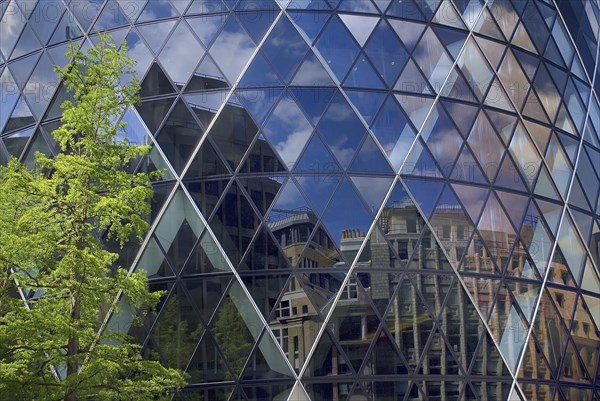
(290, 136)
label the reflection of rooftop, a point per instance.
(286, 218)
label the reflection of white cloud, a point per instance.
(10, 26)
(312, 73)
(231, 51)
(181, 55)
(359, 25)
(288, 130)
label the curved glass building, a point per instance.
(360, 200)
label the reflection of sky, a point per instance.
(11, 25)
(288, 130)
(181, 54)
(232, 50)
(359, 25)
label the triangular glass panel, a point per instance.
(472, 197)
(432, 58)
(232, 49)
(346, 212)
(411, 80)
(447, 15)
(262, 191)
(487, 360)
(206, 193)
(155, 162)
(373, 189)
(156, 82)
(497, 97)
(539, 133)
(406, 10)
(259, 73)
(311, 73)
(496, 230)
(534, 363)
(266, 361)
(509, 176)
(342, 130)
(289, 204)
(370, 159)
(179, 228)
(154, 262)
(208, 365)
(259, 102)
(285, 48)
(206, 104)
(21, 70)
(179, 136)
(425, 192)
(322, 252)
(309, 26)
(41, 85)
(288, 131)
(10, 96)
(206, 163)
(207, 26)
(155, 34)
(235, 327)
(416, 108)
(559, 165)
(234, 223)
(366, 102)
(363, 75)
(515, 205)
(266, 289)
(207, 258)
(207, 77)
(177, 330)
(459, 322)
(259, 20)
(486, 25)
(337, 47)
(157, 9)
(316, 159)
(420, 163)
(15, 143)
(478, 78)
(577, 195)
(386, 52)
(526, 295)
(483, 290)
(544, 185)
(322, 360)
(354, 323)
(110, 17)
(522, 149)
(573, 368)
(456, 88)
(466, 168)
(360, 26)
(180, 55)
(262, 159)
(441, 136)
(437, 359)
(394, 133)
(453, 40)
(507, 328)
(384, 358)
(27, 43)
(313, 101)
(139, 51)
(67, 28)
(503, 123)
(20, 117)
(233, 132)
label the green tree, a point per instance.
(53, 346)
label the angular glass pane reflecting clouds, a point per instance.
(360, 199)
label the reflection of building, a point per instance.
(297, 264)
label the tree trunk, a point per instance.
(73, 349)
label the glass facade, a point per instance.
(360, 200)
